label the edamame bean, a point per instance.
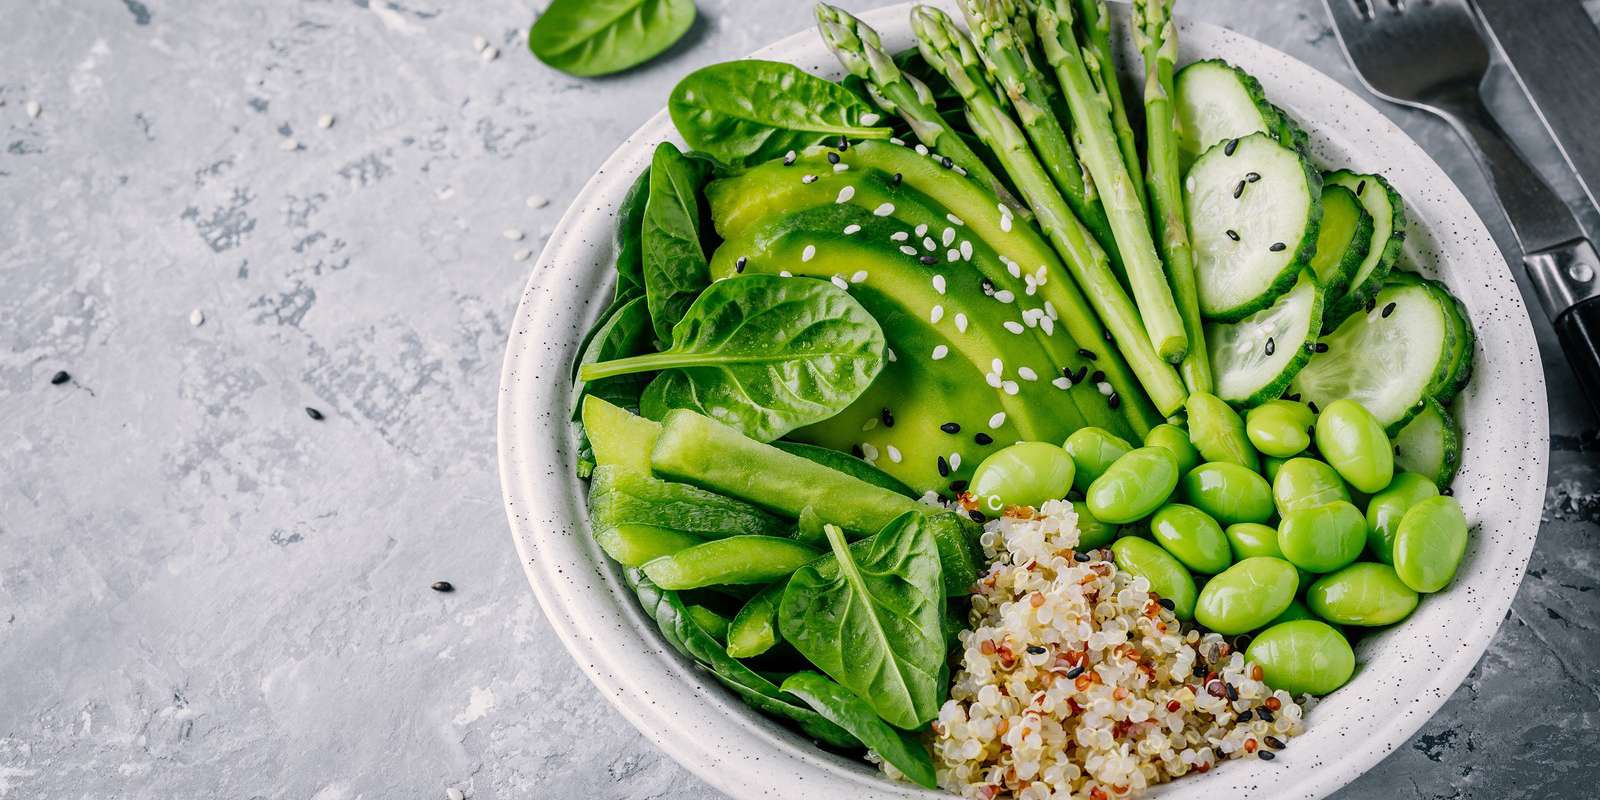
(1303, 657)
(1250, 540)
(1229, 493)
(1093, 450)
(1279, 428)
(1133, 486)
(1192, 537)
(1429, 544)
(1270, 466)
(1296, 610)
(1022, 474)
(1388, 506)
(1306, 482)
(1247, 595)
(1217, 432)
(1167, 577)
(1092, 533)
(1351, 440)
(1322, 538)
(734, 560)
(1175, 439)
(1367, 593)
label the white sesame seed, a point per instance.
(537, 201)
(955, 461)
(870, 118)
(479, 43)
(961, 322)
(921, 151)
(868, 451)
(936, 314)
(889, 351)
(996, 365)
(808, 253)
(1027, 374)
(840, 282)
(522, 255)
(938, 284)
(1189, 184)
(884, 210)
(900, 236)
(858, 276)
(1005, 223)
(1013, 326)
(789, 157)
(894, 452)
(512, 235)
(992, 379)
(897, 140)
(840, 167)
(952, 256)
(997, 420)
(1048, 325)
(288, 143)
(445, 192)
(783, 273)
(1005, 295)
(922, 230)
(852, 229)
(1050, 310)
(960, 170)
(32, 109)
(453, 793)
(845, 194)
(197, 318)
(808, 179)
(325, 121)
(940, 351)
(1012, 267)
(1105, 388)
(908, 249)
(929, 244)
(948, 237)
(954, 220)
(966, 250)
(872, 422)
(489, 53)
(1011, 387)
(1062, 384)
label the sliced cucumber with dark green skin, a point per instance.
(1254, 212)
(1342, 242)
(1217, 101)
(1256, 358)
(1430, 444)
(1390, 362)
(1465, 342)
(1388, 236)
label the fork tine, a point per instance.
(1348, 14)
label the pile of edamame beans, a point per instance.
(1285, 525)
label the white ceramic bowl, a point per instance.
(1404, 674)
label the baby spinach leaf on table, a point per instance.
(688, 638)
(744, 112)
(875, 624)
(850, 712)
(626, 333)
(675, 268)
(761, 353)
(598, 37)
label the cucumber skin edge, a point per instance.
(1350, 260)
(1358, 296)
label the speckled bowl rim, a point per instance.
(1396, 689)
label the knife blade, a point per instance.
(1552, 48)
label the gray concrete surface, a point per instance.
(205, 593)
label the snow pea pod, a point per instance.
(1228, 492)
(1387, 507)
(1353, 441)
(1279, 428)
(1133, 486)
(1167, 577)
(1217, 431)
(1367, 594)
(1092, 533)
(734, 560)
(754, 629)
(1173, 438)
(1306, 482)
(1093, 450)
(1192, 537)
(1303, 657)
(1322, 538)
(1022, 474)
(1430, 543)
(1247, 595)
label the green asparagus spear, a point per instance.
(1091, 111)
(1097, 34)
(948, 49)
(1157, 38)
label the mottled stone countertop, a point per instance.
(204, 592)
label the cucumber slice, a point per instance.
(1255, 358)
(1388, 234)
(1342, 241)
(1430, 445)
(1253, 216)
(1389, 363)
(1465, 341)
(1217, 101)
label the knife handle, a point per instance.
(1567, 280)
(1579, 330)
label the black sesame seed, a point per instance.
(1266, 755)
(738, 266)
(929, 260)
(944, 467)
(1371, 304)
(1387, 310)
(1293, 397)
(1082, 373)
(1082, 557)
(958, 486)
(983, 439)
(1322, 347)
(1273, 742)
(1252, 176)
(951, 427)
(946, 162)
(1238, 190)
(1265, 714)
(1167, 604)
(1312, 406)
(1087, 353)
(988, 286)
(1074, 672)
(1199, 670)
(1233, 693)
(1448, 491)
(59, 378)
(856, 451)
(1233, 234)
(1232, 145)
(1278, 247)
(844, 144)
(1114, 400)
(314, 414)
(887, 417)
(833, 158)
(1108, 337)
(1361, 186)
(1272, 346)
(1244, 717)
(443, 586)
(895, 181)
(976, 515)
(1036, 649)
(1098, 376)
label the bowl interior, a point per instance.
(1404, 673)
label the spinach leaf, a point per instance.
(629, 260)
(675, 269)
(875, 625)
(672, 618)
(598, 37)
(761, 353)
(744, 112)
(626, 333)
(847, 711)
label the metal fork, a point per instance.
(1429, 55)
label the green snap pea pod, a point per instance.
(1296, 610)
(710, 621)
(1247, 595)
(1430, 543)
(1353, 441)
(1367, 594)
(1023, 474)
(1192, 537)
(1306, 482)
(1387, 507)
(1323, 538)
(734, 560)
(754, 629)
(1270, 466)
(1303, 657)
(1092, 533)
(1133, 486)
(1228, 492)
(1175, 439)
(1252, 540)
(842, 707)
(1167, 577)
(1280, 428)
(1093, 450)
(1218, 432)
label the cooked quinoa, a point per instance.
(1075, 682)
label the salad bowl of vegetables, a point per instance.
(912, 391)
